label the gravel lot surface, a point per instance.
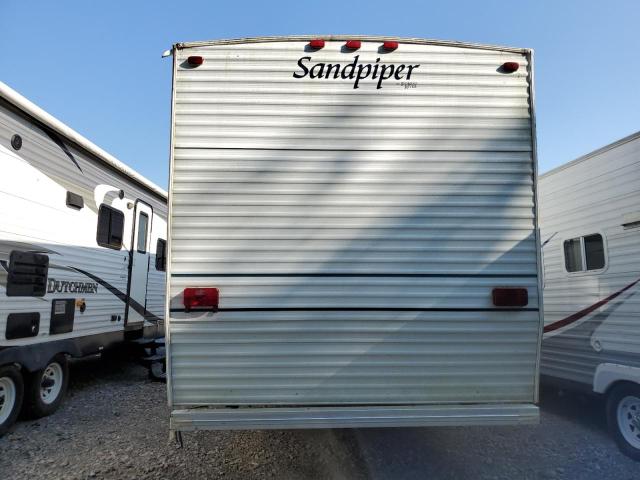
(114, 424)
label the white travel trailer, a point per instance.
(590, 224)
(352, 234)
(82, 242)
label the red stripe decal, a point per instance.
(583, 313)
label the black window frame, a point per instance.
(161, 255)
(109, 239)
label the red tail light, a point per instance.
(389, 46)
(316, 43)
(353, 44)
(195, 60)
(510, 297)
(510, 67)
(206, 298)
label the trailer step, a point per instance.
(149, 342)
(158, 357)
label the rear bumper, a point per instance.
(352, 417)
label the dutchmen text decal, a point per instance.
(62, 286)
(355, 71)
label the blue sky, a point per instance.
(97, 67)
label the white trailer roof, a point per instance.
(600, 150)
(31, 109)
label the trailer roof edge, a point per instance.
(380, 38)
(32, 110)
(587, 156)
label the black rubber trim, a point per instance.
(353, 309)
(408, 275)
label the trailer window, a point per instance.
(143, 225)
(110, 227)
(573, 255)
(161, 255)
(584, 253)
(594, 252)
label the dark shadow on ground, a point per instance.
(579, 408)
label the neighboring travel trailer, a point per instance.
(82, 242)
(590, 224)
(352, 234)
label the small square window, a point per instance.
(161, 255)
(584, 253)
(110, 227)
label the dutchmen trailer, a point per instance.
(353, 237)
(82, 242)
(590, 224)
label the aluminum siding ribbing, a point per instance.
(595, 194)
(34, 216)
(355, 234)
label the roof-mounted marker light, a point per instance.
(353, 44)
(510, 297)
(317, 43)
(510, 67)
(195, 60)
(205, 298)
(389, 46)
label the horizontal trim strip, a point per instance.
(353, 309)
(394, 275)
(351, 149)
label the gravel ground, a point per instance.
(114, 424)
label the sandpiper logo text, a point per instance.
(355, 71)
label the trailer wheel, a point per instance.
(11, 395)
(45, 388)
(623, 417)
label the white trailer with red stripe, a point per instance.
(353, 236)
(590, 224)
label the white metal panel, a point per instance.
(24, 105)
(355, 234)
(594, 194)
(34, 216)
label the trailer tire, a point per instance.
(623, 417)
(11, 396)
(45, 389)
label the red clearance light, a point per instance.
(510, 67)
(195, 60)
(200, 298)
(510, 297)
(316, 43)
(389, 46)
(353, 44)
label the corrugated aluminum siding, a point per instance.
(355, 234)
(592, 195)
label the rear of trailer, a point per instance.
(353, 237)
